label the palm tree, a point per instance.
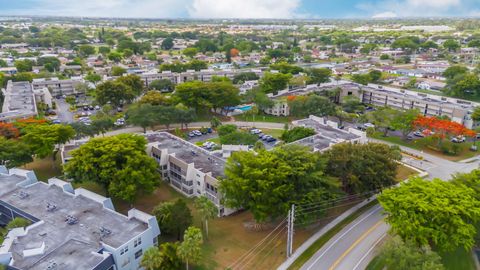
(207, 209)
(152, 259)
(190, 248)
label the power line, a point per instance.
(275, 237)
(323, 205)
(247, 254)
(338, 199)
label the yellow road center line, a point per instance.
(344, 254)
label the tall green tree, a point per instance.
(143, 115)
(437, 213)
(14, 153)
(363, 167)
(118, 163)
(268, 182)
(207, 209)
(173, 217)
(274, 82)
(403, 121)
(319, 75)
(42, 138)
(190, 250)
(115, 92)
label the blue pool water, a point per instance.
(244, 108)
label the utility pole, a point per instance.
(290, 228)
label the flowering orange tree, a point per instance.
(442, 128)
(9, 131)
(22, 123)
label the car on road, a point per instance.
(56, 121)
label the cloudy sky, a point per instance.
(242, 8)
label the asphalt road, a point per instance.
(351, 248)
(63, 112)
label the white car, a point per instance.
(458, 139)
(369, 125)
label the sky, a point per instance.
(245, 9)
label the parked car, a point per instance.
(56, 121)
(418, 134)
(197, 132)
(369, 125)
(458, 139)
(267, 137)
(191, 134)
(260, 136)
(271, 139)
(97, 107)
(255, 131)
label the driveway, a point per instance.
(63, 112)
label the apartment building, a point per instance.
(19, 101)
(57, 87)
(327, 134)
(429, 105)
(189, 169)
(192, 75)
(69, 228)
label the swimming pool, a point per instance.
(244, 108)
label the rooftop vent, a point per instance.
(51, 265)
(51, 207)
(22, 195)
(104, 232)
(70, 220)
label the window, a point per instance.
(138, 254)
(124, 250)
(137, 242)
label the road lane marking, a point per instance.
(369, 251)
(360, 239)
(341, 236)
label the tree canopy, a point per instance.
(118, 163)
(436, 212)
(268, 182)
(363, 167)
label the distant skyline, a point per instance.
(279, 9)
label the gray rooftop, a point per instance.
(61, 239)
(327, 131)
(19, 101)
(189, 153)
(317, 142)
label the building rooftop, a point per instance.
(188, 152)
(328, 133)
(19, 101)
(69, 225)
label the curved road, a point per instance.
(351, 248)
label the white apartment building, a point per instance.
(57, 87)
(189, 169)
(70, 228)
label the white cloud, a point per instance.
(245, 9)
(420, 8)
(108, 8)
(385, 15)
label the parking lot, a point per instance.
(196, 136)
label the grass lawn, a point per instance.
(276, 133)
(404, 173)
(376, 264)
(264, 118)
(46, 168)
(464, 154)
